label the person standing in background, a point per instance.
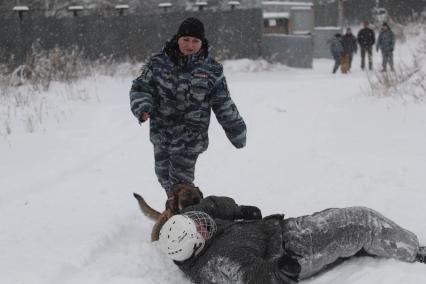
(336, 49)
(349, 46)
(366, 39)
(386, 44)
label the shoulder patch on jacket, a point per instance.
(201, 75)
(142, 72)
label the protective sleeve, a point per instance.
(221, 207)
(275, 265)
(261, 270)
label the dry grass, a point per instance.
(408, 80)
(26, 98)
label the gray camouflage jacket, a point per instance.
(233, 255)
(179, 93)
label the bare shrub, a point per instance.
(407, 80)
(24, 98)
(45, 66)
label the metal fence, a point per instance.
(294, 51)
(357, 11)
(232, 34)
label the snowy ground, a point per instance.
(315, 140)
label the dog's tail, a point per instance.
(146, 209)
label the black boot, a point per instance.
(421, 255)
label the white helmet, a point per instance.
(183, 236)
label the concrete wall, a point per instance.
(326, 15)
(293, 51)
(232, 34)
(302, 19)
(320, 37)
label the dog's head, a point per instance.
(182, 195)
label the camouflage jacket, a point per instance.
(179, 92)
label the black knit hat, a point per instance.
(191, 27)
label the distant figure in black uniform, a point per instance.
(366, 40)
(349, 45)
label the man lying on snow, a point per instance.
(210, 245)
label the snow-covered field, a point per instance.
(315, 140)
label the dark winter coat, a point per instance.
(386, 41)
(349, 43)
(366, 38)
(179, 92)
(234, 255)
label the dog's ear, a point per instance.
(173, 201)
(199, 192)
(175, 206)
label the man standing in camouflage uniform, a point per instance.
(177, 89)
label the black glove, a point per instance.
(289, 265)
(278, 217)
(143, 117)
(250, 212)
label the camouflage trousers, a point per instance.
(321, 239)
(172, 168)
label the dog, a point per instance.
(344, 64)
(180, 196)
